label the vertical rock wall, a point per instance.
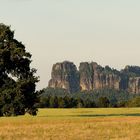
(65, 75)
(92, 76)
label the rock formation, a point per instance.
(92, 76)
(65, 75)
(86, 76)
(134, 85)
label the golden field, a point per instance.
(74, 124)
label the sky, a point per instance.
(102, 31)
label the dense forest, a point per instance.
(60, 98)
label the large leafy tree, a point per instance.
(17, 79)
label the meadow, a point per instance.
(74, 124)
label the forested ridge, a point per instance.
(60, 98)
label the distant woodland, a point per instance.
(60, 98)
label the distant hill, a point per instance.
(91, 76)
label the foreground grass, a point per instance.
(74, 124)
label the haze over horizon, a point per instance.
(106, 32)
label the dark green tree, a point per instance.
(61, 102)
(80, 103)
(68, 102)
(135, 102)
(44, 102)
(17, 79)
(103, 102)
(53, 102)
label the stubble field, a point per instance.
(74, 124)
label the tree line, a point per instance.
(59, 98)
(67, 102)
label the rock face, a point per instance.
(134, 85)
(131, 76)
(86, 76)
(92, 76)
(65, 75)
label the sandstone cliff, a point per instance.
(92, 76)
(133, 78)
(134, 85)
(65, 75)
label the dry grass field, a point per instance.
(74, 124)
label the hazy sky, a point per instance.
(105, 31)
